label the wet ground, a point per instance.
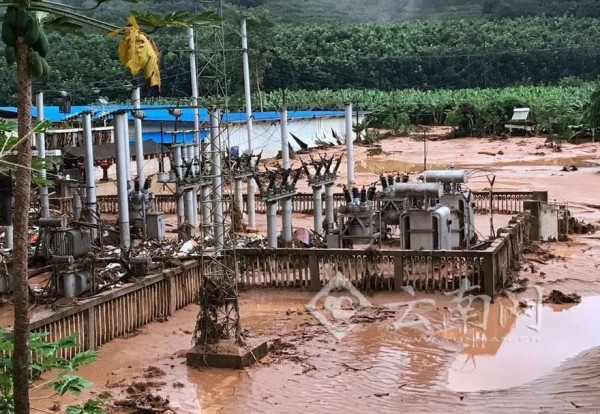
(375, 368)
(524, 357)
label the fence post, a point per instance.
(172, 305)
(91, 328)
(315, 277)
(489, 278)
(398, 272)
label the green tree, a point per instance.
(46, 357)
(24, 38)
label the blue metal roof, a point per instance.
(160, 113)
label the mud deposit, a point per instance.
(375, 368)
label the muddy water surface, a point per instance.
(373, 369)
(538, 343)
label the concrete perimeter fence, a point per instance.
(502, 202)
(119, 312)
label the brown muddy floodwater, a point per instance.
(375, 368)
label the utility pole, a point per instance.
(286, 203)
(249, 126)
(349, 145)
(41, 147)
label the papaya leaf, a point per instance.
(137, 51)
(90, 407)
(82, 358)
(177, 19)
(70, 384)
(68, 341)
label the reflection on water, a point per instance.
(522, 350)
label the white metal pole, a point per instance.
(139, 144)
(180, 193)
(125, 128)
(249, 127)
(41, 147)
(215, 142)
(349, 145)
(286, 203)
(318, 209)
(89, 172)
(195, 94)
(121, 141)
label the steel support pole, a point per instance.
(139, 143)
(286, 203)
(89, 173)
(349, 145)
(127, 149)
(272, 224)
(194, 79)
(121, 141)
(318, 209)
(215, 142)
(249, 127)
(41, 147)
(177, 161)
(329, 210)
(189, 207)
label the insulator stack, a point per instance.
(355, 194)
(371, 193)
(384, 183)
(347, 195)
(390, 179)
(363, 195)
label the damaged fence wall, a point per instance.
(425, 270)
(504, 202)
(121, 311)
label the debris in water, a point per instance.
(557, 297)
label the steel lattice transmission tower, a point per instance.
(219, 312)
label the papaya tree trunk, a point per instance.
(20, 238)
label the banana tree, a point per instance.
(27, 46)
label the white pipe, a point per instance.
(215, 141)
(248, 98)
(122, 182)
(349, 145)
(41, 147)
(139, 143)
(89, 172)
(286, 203)
(189, 208)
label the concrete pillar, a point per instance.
(272, 224)
(329, 208)
(318, 209)
(239, 195)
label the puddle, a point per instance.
(515, 354)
